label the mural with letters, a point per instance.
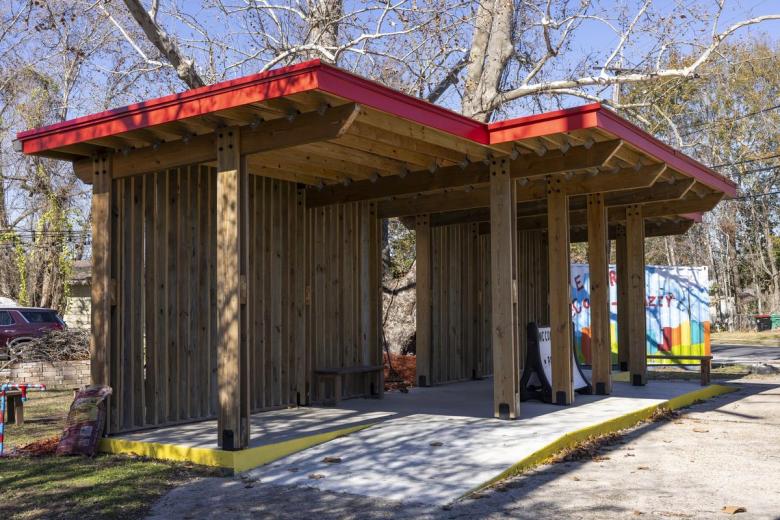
(677, 309)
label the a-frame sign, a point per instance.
(536, 381)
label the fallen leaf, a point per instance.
(477, 496)
(638, 513)
(316, 476)
(576, 479)
(733, 510)
(700, 430)
(630, 455)
(331, 460)
(436, 444)
(600, 458)
(643, 467)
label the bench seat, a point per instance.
(335, 375)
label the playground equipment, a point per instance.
(4, 388)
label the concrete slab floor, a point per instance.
(395, 460)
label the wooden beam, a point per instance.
(693, 204)
(557, 161)
(424, 311)
(635, 295)
(603, 182)
(476, 175)
(621, 267)
(100, 344)
(658, 192)
(503, 240)
(270, 135)
(598, 276)
(233, 422)
(560, 293)
(441, 202)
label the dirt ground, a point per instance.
(720, 453)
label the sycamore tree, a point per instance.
(488, 59)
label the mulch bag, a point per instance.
(86, 422)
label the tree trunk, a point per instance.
(491, 48)
(324, 17)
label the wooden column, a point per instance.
(621, 259)
(637, 329)
(233, 416)
(598, 260)
(560, 293)
(423, 288)
(101, 270)
(503, 254)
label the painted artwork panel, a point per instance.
(677, 309)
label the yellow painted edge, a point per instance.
(236, 461)
(628, 420)
(254, 457)
(176, 452)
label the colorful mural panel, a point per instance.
(677, 310)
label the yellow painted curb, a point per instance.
(628, 420)
(237, 461)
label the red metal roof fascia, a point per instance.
(621, 128)
(375, 95)
(311, 75)
(595, 115)
(558, 121)
(220, 96)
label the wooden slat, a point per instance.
(637, 342)
(598, 262)
(560, 295)
(623, 310)
(506, 399)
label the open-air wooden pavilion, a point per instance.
(236, 241)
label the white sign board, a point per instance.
(545, 352)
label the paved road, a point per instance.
(746, 353)
(723, 452)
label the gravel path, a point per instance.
(725, 452)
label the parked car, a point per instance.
(25, 323)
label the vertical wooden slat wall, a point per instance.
(461, 298)
(342, 292)
(311, 280)
(457, 344)
(163, 362)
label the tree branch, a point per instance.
(185, 68)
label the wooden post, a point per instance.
(506, 367)
(598, 260)
(232, 417)
(423, 288)
(621, 259)
(101, 269)
(560, 293)
(637, 339)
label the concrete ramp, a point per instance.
(437, 444)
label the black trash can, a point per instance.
(763, 322)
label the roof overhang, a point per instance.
(383, 145)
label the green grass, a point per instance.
(665, 373)
(769, 338)
(107, 486)
(44, 417)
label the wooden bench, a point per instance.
(15, 406)
(705, 364)
(336, 375)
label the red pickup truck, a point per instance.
(23, 323)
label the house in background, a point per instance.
(79, 303)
